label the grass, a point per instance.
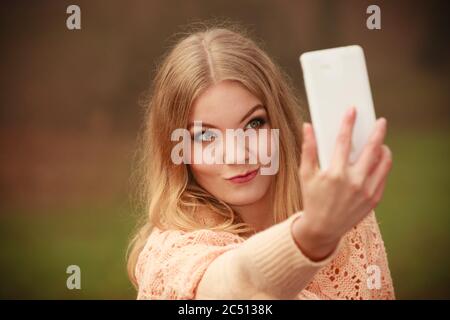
(37, 247)
(415, 215)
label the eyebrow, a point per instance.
(248, 114)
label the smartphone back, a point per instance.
(336, 79)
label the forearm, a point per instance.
(268, 265)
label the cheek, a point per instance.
(206, 174)
(265, 147)
(209, 177)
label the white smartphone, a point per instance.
(336, 79)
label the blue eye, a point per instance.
(205, 136)
(255, 123)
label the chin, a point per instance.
(241, 195)
(242, 199)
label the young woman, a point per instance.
(226, 231)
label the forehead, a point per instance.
(223, 104)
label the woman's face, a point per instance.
(228, 105)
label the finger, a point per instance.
(371, 153)
(344, 139)
(380, 172)
(309, 162)
(379, 192)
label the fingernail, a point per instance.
(306, 128)
(351, 111)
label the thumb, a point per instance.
(309, 164)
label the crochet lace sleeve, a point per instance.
(206, 264)
(173, 262)
(360, 270)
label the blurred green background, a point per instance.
(70, 115)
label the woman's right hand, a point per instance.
(337, 199)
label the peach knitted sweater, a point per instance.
(206, 264)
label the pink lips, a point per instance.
(244, 178)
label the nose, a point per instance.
(235, 150)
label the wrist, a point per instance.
(315, 243)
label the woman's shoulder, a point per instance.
(173, 260)
(170, 236)
(169, 244)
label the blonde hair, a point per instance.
(203, 57)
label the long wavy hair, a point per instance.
(202, 57)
